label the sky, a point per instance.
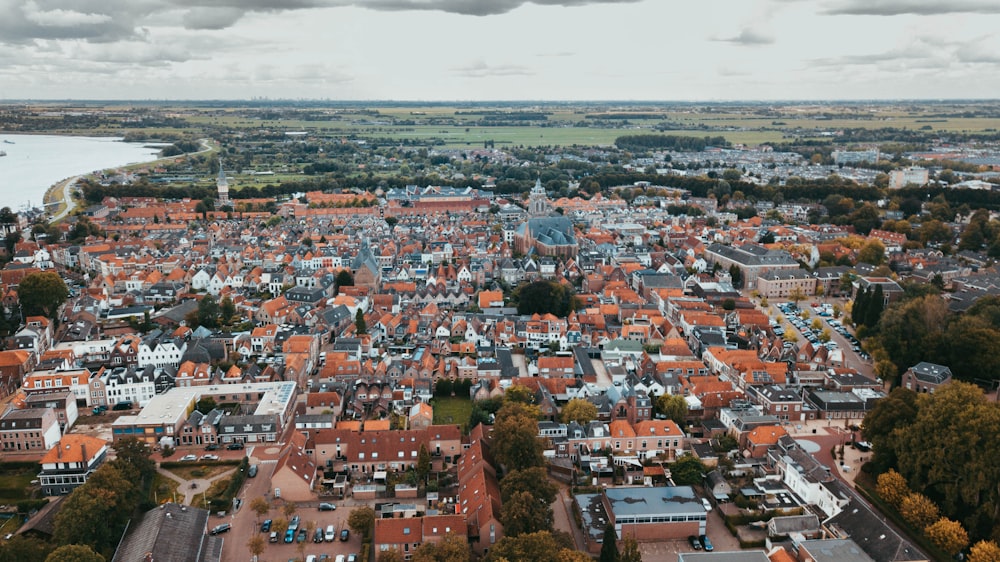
(469, 50)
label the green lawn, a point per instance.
(452, 410)
(15, 479)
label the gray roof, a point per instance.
(741, 556)
(753, 255)
(931, 372)
(171, 533)
(836, 550)
(665, 501)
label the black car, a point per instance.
(345, 534)
(235, 446)
(265, 526)
(212, 447)
(695, 544)
(218, 529)
(324, 506)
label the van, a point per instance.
(277, 493)
(330, 535)
(218, 529)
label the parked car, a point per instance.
(265, 526)
(302, 536)
(235, 446)
(324, 506)
(707, 504)
(218, 529)
(273, 537)
(345, 534)
(212, 447)
(290, 535)
(331, 534)
(210, 457)
(252, 471)
(189, 458)
(318, 535)
(695, 543)
(706, 544)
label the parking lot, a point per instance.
(310, 517)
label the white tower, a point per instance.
(538, 200)
(222, 184)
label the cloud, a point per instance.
(211, 18)
(480, 69)
(912, 7)
(749, 37)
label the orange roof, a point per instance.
(74, 447)
(766, 435)
(377, 425)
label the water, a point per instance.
(34, 163)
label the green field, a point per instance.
(453, 410)
(15, 478)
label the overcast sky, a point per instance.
(499, 49)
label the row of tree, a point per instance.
(944, 445)
(920, 327)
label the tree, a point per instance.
(344, 279)
(515, 438)
(872, 252)
(609, 544)
(533, 480)
(259, 506)
(545, 297)
(391, 555)
(256, 545)
(522, 513)
(578, 410)
(289, 509)
(423, 463)
(41, 294)
(673, 406)
(391, 221)
(542, 546)
(362, 520)
(451, 548)
(208, 312)
(205, 404)
(360, 326)
(918, 510)
(687, 471)
(24, 549)
(630, 550)
(892, 488)
(279, 525)
(736, 275)
(984, 551)
(796, 296)
(227, 309)
(947, 535)
(875, 307)
(74, 553)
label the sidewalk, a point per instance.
(191, 488)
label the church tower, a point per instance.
(538, 200)
(222, 184)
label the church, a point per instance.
(542, 234)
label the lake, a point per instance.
(34, 163)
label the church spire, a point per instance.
(222, 184)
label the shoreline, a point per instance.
(61, 192)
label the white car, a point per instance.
(188, 458)
(707, 504)
(209, 457)
(331, 534)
